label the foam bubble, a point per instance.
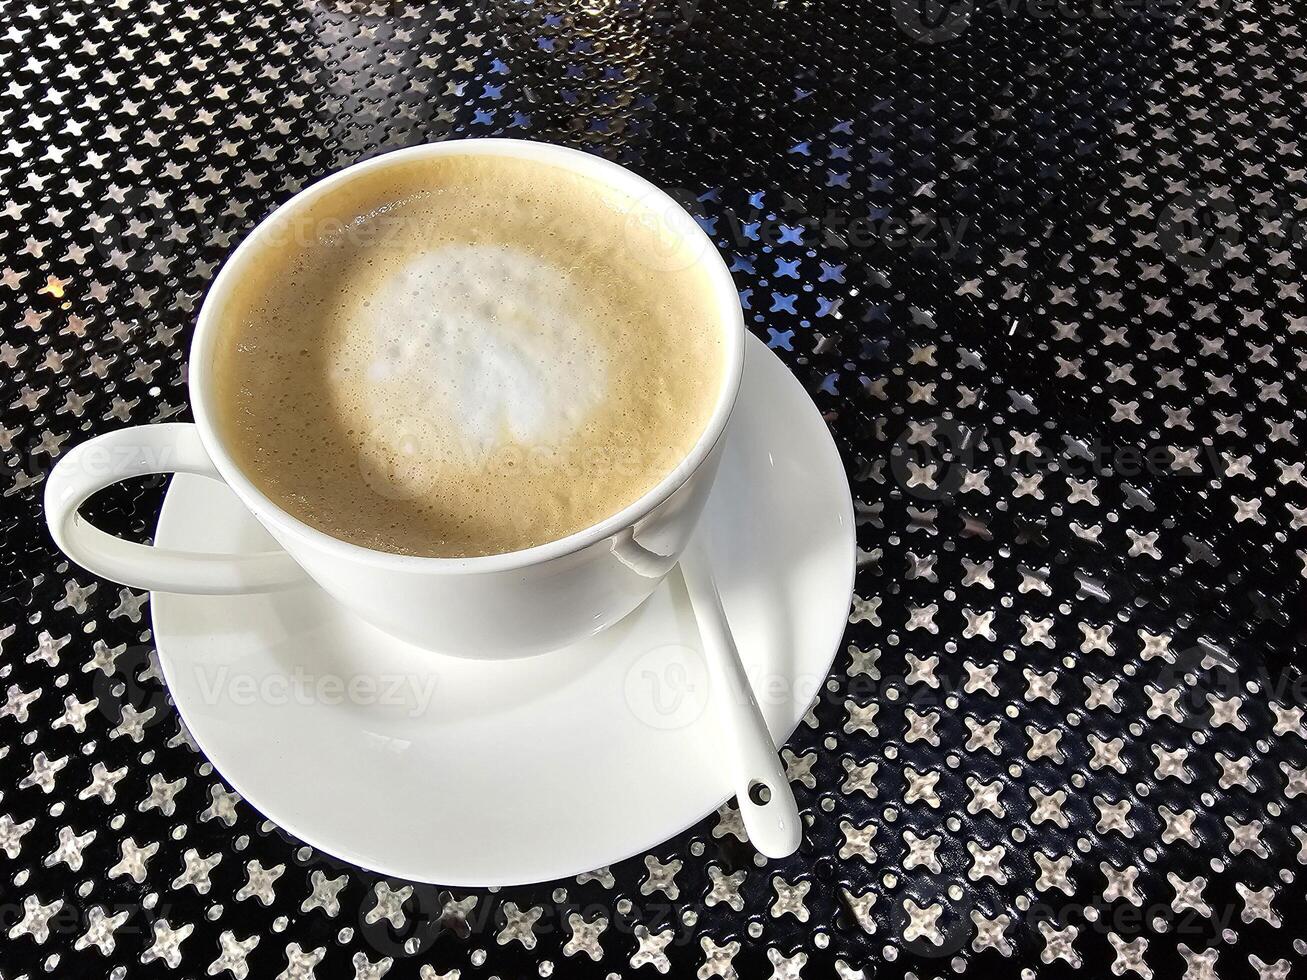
(490, 340)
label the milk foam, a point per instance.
(487, 338)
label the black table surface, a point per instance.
(1039, 264)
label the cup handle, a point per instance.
(169, 447)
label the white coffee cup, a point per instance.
(497, 606)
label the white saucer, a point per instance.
(525, 770)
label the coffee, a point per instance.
(466, 355)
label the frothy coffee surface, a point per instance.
(466, 356)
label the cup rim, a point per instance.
(614, 175)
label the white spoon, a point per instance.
(767, 807)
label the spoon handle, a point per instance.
(767, 807)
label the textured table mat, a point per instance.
(1040, 266)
